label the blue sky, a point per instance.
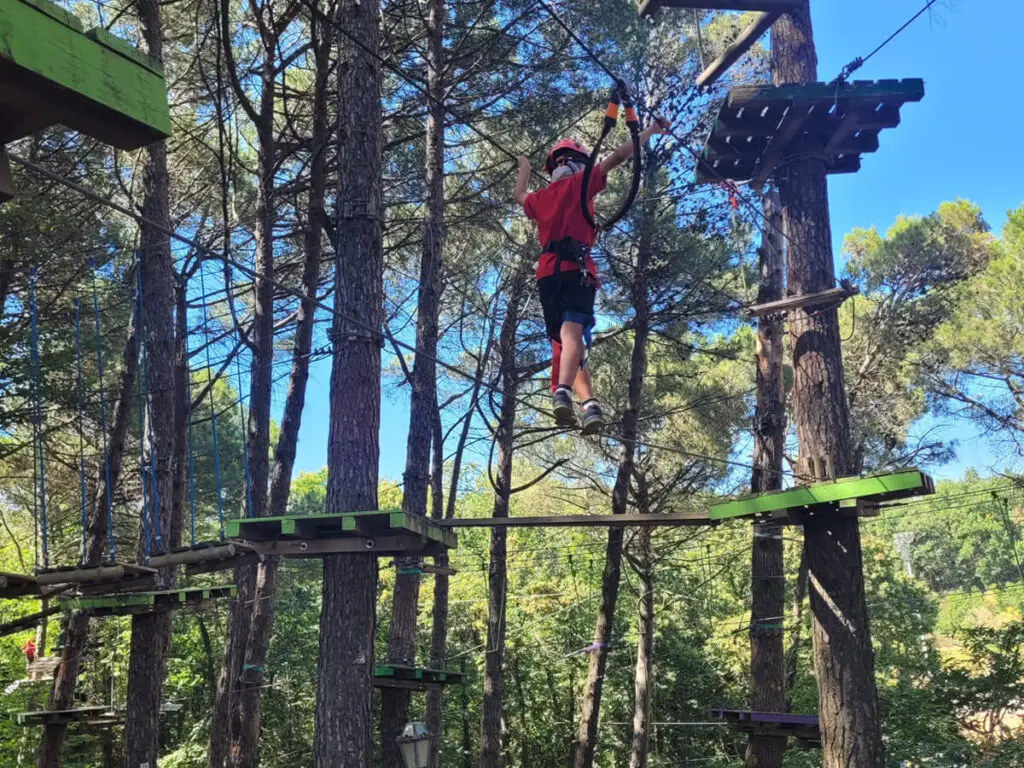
(960, 141)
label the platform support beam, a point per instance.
(739, 46)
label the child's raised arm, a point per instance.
(523, 179)
(625, 151)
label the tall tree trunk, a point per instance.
(767, 663)
(151, 633)
(590, 705)
(245, 745)
(439, 612)
(491, 751)
(643, 683)
(227, 724)
(843, 657)
(76, 633)
(344, 696)
(402, 635)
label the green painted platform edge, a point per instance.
(391, 670)
(135, 599)
(821, 493)
(349, 522)
(54, 11)
(130, 52)
(35, 39)
(909, 89)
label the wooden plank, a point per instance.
(867, 94)
(27, 622)
(738, 48)
(59, 716)
(146, 601)
(823, 298)
(249, 558)
(650, 6)
(364, 525)
(400, 544)
(96, 89)
(880, 487)
(91, 574)
(575, 521)
(438, 570)
(199, 555)
(790, 126)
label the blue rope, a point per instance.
(245, 439)
(103, 410)
(191, 468)
(213, 410)
(140, 407)
(37, 412)
(154, 494)
(81, 422)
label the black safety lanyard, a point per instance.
(620, 95)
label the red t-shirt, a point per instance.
(556, 209)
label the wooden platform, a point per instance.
(804, 728)
(577, 521)
(86, 574)
(43, 667)
(53, 72)
(146, 602)
(414, 678)
(85, 715)
(859, 495)
(761, 127)
(384, 532)
(96, 717)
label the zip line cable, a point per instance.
(860, 61)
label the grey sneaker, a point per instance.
(593, 418)
(565, 414)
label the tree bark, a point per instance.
(439, 612)
(151, 633)
(586, 739)
(245, 744)
(843, 657)
(76, 633)
(767, 662)
(343, 728)
(404, 606)
(491, 750)
(643, 683)
(227, 724)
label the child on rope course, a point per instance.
(566, 274)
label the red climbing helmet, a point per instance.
(565, 146)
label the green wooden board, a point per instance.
(51, 72)
(884, 486)
(346, 524)
(130, 602)
(418, 674)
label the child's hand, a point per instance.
(659, 126)
(523, 162)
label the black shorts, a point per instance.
(565, 298)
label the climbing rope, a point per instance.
(191, 463)
(38, 459)
(146, 430)
(103, 412)
(81, 425)
(245, 439)
(860, 61)
(213, 410)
